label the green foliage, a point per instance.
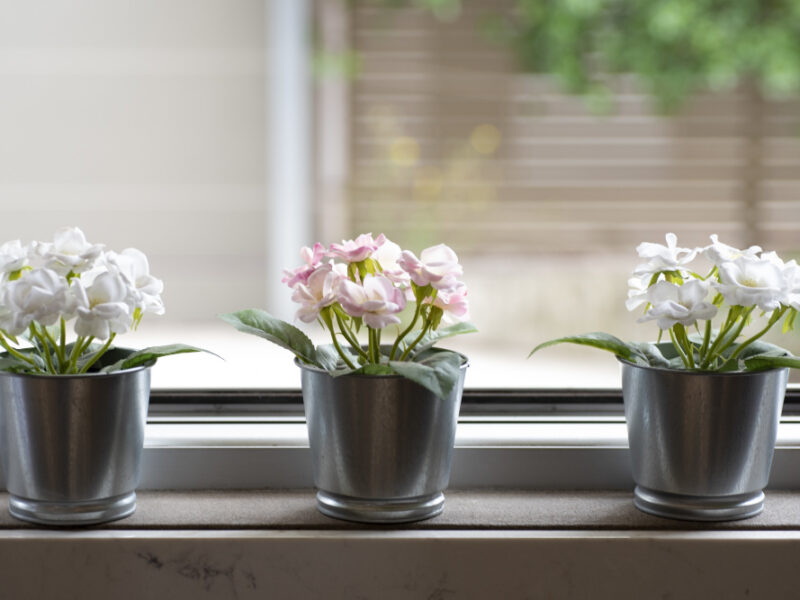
(676, 47)
(148, 356)
(601, 341)
(435, 369)
(262, 324)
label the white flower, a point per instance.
(637, 294)
(662, 258)
(748, 281)
(38, 295)
(318, 292)
(378, 301)
(13, 256)
(103, 306)
(144, 289)
(437, 266)
(718, 253)
(683, 304)
(69, 252)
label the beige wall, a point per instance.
(142, 122)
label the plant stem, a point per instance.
(736, 333)
(706, 342)
(351, 339)
(729, 321)
(416, 341)
(45, 348)
(63, 340)
(59, 352)
(683, 339)
(678, 349)
(774, 319)
(406, 331)
(99, 353)
(16, 354)
(325, 314)
(374, 350)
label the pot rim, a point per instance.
(94, 375)
(315, 369)
(627, 363)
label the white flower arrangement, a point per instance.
(678, 299)
(46, 285)
(364, 285)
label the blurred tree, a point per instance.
(675, 48)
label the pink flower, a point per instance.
(313, 258)
(377, 300)
(318, 292)
(358, 249)
(387, 256)
(453, 301)
(437, 266)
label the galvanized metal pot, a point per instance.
(381, 446)
(701, 444)
(71, 445)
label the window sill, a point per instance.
(487, 544)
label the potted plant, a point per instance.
(72, 412)
(702, 410)
(381, 413)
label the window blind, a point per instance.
(451, 141)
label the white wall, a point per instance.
(144, 123)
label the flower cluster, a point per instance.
(677, 297)
(370, 281)
(45, 285)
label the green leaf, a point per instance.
(437, 371)
(260, 323)
(652, 353)
(14, 365)
(601, 341)
(433, 337)
(148, 356)
(771, 360)
(757, 348)
(328, 358)
(373, 369)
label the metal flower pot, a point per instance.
(71, 445)
(381, 446)
(701, 444)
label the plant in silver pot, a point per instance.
(381, 412)
(73, 407)
(702, 410)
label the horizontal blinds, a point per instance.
(450, 141)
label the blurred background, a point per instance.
(542, 140)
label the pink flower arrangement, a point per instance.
(369, 281)
(369, 285)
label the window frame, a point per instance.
(530, 439)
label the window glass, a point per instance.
(147, 124)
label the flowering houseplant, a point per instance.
(363, 285)
(45, 285)
(748, 282)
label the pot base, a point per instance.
(70, 514)
(698, 508)
(380, 511)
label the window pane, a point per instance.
(545, 199)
